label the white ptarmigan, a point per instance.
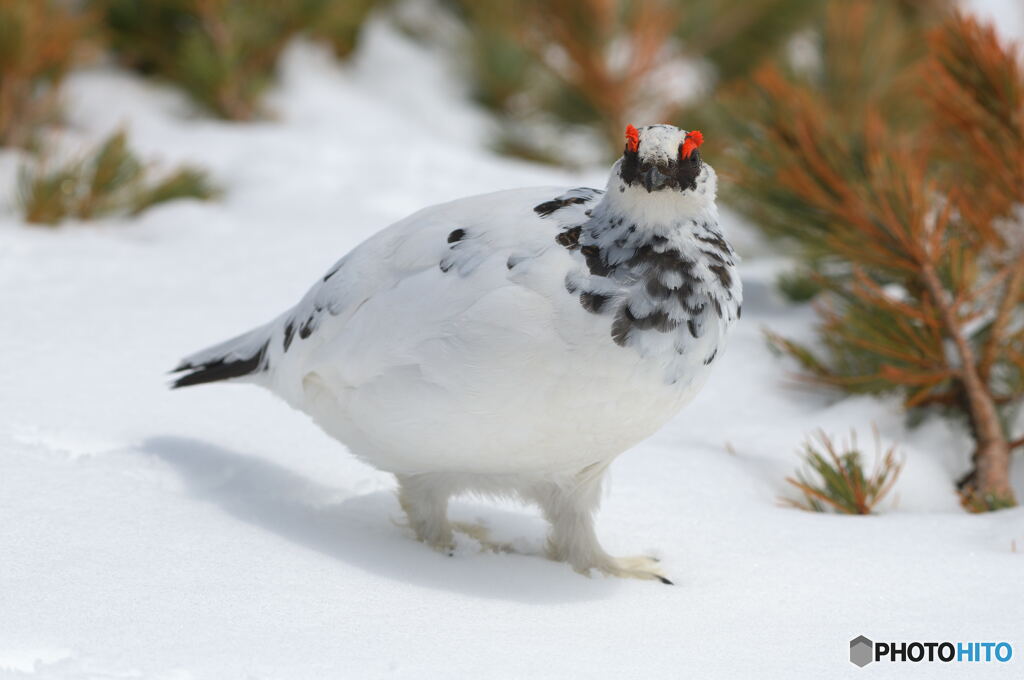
(512, 343)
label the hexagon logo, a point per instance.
(861, 651)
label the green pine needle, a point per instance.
(108, 180)
(834, 478)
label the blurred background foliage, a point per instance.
(39, 42)
(594, 65)
(601, 64)
(107, 180)
(222, 52)
(881, 144)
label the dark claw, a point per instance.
(665, 580)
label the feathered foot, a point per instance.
(481, 535)
(425, 502)
(570, 507)
(426, 507)
(640, 567)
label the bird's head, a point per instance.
(662, 158)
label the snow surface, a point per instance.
(214, 533)
(1007, 15)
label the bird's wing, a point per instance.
(435, 254)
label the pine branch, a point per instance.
(997, 334)
(993, 453)
(931, 291)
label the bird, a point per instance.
(512, 344)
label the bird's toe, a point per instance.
(640, 567)
(481, 535)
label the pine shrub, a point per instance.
(598, 64)
(38, 41)
(108, 180)
(835, 479)
(912, 215)
(223, 52)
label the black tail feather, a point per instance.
(219, 369)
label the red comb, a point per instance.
(693, 140)
(632, 138)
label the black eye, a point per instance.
(694, 157)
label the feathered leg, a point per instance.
(570, 508)
(424, 498)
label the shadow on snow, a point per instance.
(361, 530)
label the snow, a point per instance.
(1006, 15)
(214, 533)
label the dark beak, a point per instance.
(654, 178)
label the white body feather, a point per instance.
(491, 370)
(456, 348)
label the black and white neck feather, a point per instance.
(656, 260)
